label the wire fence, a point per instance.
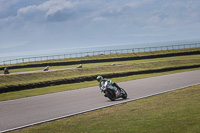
(105, 52)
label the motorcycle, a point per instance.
(6, 72)
(46, 69)
(112, 92)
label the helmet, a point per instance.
(99, 78)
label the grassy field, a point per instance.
(92, 69)
(27, 78)
(67, 87)
(173, 112)
(188, 57)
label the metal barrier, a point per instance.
(84, 54)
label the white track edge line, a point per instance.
(82, 112)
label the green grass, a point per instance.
(172, 112)
(22, 79)
(67, 87)
(188, 57)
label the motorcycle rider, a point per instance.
(47, 68)
(102, 81)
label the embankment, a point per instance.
(90, 78)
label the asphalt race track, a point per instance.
(25, 112)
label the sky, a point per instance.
(28, 26)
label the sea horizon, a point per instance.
(51, 52)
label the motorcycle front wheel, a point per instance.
(111, 95)
(124, 95)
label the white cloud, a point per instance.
(55, 6)
(26, 10)
(103, 10)
(174, 13)
(45, 9)
(82, 19)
